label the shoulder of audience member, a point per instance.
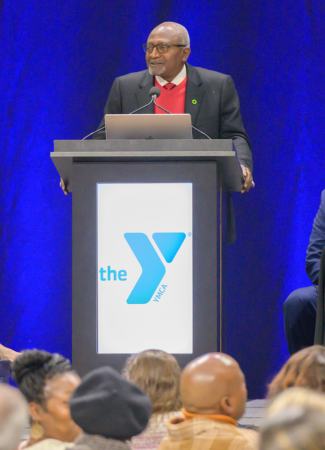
(250, 435)
(248, 440)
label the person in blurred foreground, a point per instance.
(213, 393)
(109, 409)
(13, 417)
(47, 381)
(295, 421)
(305, 368)
(158, 374)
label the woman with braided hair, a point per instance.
(47, 381)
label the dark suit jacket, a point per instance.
(216, 112)
(316, 243)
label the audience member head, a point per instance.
(214, 384)
(13, 417)
(47, 381)
(295, 421)
(158, 374)
(305, 368)
(108, 405)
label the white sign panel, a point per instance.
(145, 293)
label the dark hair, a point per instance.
(158, 374)
(33, 368)
(305, 368)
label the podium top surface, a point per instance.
(222, 151)
(135, 145)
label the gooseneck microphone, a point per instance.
(153, 94)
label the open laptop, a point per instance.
(148, 126)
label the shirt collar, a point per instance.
(177, 80)
(218, 417)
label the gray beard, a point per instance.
(158, 74)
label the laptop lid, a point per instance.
(148, 126)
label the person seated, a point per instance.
(305, 368)
(300, 307)
(13, 417)
(109, 409)
(7, 353)
(47, 381)
(213, 393)
(294, 421)
(158, 374)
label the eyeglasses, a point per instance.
(161, 48)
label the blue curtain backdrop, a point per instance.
(57, 64)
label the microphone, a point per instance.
(154, 93)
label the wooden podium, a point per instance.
(212, 169)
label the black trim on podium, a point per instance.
(212, 168)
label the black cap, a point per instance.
(108, 405)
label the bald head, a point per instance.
(214, 384)
(175, 30)
(13, 417)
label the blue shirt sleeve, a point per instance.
(316, 243)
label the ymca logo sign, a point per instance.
(153, 270)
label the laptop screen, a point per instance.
(148, 126)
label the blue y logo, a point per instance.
(153, 270)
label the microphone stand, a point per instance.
(94, 132)
(142, 107)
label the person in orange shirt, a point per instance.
(213, 393)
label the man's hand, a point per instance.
(7, 353)
(63, 187)
(248, 180)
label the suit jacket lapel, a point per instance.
(194, 93)
(142, 95)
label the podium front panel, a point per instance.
(177, 249)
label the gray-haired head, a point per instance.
(13, 417)
(184, 37)
(167, 62)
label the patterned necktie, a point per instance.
(169, 86)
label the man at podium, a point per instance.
(208, 96)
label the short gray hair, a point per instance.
(184, 36)
(13, 417)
